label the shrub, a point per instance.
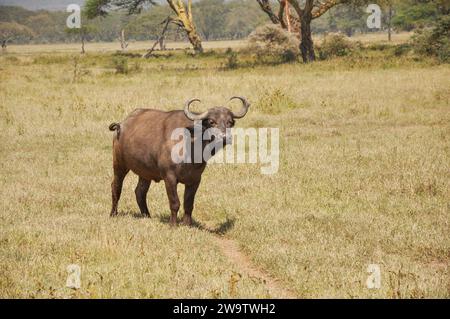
(273, 102)
(435, 41)
(232, 60)
(334, 45)
(123, 65)
(120, 63)
(289, 56)
(271, 41)
(136, 67)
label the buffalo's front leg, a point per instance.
(174, 201)
(189, 196)
(141, 196)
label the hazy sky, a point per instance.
(47, 4)
(41, 4)
(44, 4)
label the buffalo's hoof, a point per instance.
(187, 221)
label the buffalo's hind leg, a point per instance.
(141, 196)
(116, 189)
(189, 196)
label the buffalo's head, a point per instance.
(218, 121)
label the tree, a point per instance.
(182, 10)
(388, 6)
(434, 41)
(82, 33)
(311, 9)
(412, 14)
(13, 30)
(348, 19)
(148, 25)
(210, 18)
(242, 18)
(389, 18)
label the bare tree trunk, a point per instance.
(162, 43)
(82, 44)
(160, 39)
(389, 23)
(5, 43)
(185, 20)
(306, 43)
(195, 40)
(123, 42)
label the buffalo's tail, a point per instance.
(115, 127)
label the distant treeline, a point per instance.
(215, 20)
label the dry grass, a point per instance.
(378, 37)
(382, 37)
(115, 46)
(364, 178)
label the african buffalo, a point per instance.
(143, 143)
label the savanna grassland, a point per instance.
(363, 179)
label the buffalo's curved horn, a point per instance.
(193, 116)
(245, 106)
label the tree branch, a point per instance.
(189, 10)
(265, 6)
(281, 14)
(324, 7)
(297, 8)
(166, 25)
(173, 6)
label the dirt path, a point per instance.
(231, 250)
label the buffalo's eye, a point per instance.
(231, 123)
(211, 122)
